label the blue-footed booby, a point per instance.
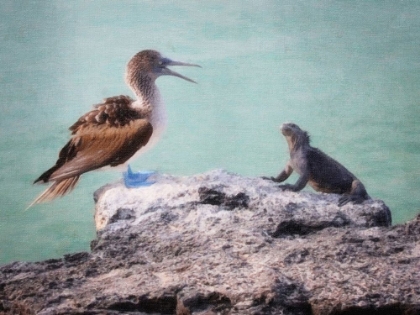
(116, 130)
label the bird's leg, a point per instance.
(138, 179)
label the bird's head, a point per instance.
(152, 64)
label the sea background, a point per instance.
(346, 71)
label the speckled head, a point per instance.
(151, 64)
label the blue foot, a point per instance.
(139, 179)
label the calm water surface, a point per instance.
(347, 73)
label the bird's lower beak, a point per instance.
(166, 71)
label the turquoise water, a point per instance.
(349, 73)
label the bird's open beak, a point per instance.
(168, 62)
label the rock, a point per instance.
(219, 243)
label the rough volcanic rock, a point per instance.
(219, 243)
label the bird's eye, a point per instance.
(164, 62)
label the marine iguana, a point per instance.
(321, 172)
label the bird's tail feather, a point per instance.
(58, 189)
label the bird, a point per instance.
(115, 131)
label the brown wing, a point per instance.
(108, 135)
(114, 111)
(100, 146)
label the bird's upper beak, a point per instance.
(168, 62)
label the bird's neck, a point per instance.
(145, 90)
(148, 100)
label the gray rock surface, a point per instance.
(219, 243)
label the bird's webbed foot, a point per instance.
(138, 179)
